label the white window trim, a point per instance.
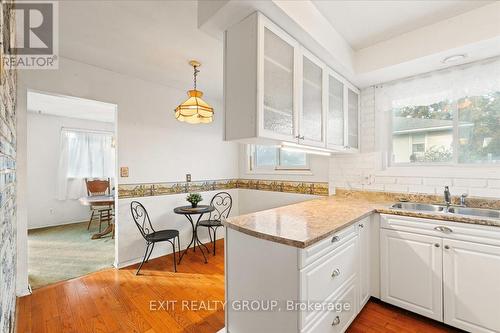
(278, 170)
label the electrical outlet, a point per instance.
(188, 177)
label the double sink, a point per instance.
(421, 207)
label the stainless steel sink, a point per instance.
(478, 212)
(418, 207)
(475, 212)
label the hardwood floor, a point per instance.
(118, 301)
(378, 317)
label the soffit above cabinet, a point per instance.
(473, 29)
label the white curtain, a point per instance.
(449, 84)
(83, 154)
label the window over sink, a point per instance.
(447, 117)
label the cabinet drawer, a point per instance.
(323, 247)
(455, 230)
(319, 281)
(338, 321)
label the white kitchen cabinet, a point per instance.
(312, 111)
(260, 82)
(326, 272)
(411, 272)
(468, 256)
(336, 115)
(364, 235)
(352, 119)
(338, 321)
(275, 90)
(278, 104)
(471, 286)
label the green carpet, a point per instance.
(64, 252)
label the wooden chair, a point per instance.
(97, 187)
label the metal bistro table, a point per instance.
(101, 200)
(188, 211)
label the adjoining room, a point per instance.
(71, 160)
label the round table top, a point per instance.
(201, 209)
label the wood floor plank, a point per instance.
(116, 301)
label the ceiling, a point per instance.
(71, 107)
(150, 40)
(365, 23)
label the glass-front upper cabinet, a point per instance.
(278, 111)
(352, 119)
(311, 120)
(336, 114)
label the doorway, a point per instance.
(71, 177)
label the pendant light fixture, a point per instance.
(195, 110)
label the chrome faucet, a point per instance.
(447, 196)
(462, 200)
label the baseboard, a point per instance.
(137, 260)
(57, 225)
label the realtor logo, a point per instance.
(35, 45)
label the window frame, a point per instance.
(277, 169)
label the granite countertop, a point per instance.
(305, 223)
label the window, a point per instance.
(272, 158)
(87, 154)
(83, 154)
(450, 117)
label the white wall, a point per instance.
(369, 170)
(253, 201)
(44, 209)
(151, 142)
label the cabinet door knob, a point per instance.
(336, 272)
(335, 239)
(336, 321)
(436, 245)
(447, 247)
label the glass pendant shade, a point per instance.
(194, 110)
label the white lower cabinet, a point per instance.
(471, 286)
(451, 276)
(365, 257)
(411, 272)
(338, 321)
(331, 275)
(322, 280)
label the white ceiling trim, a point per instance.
(70, 107)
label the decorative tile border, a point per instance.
(155, 189)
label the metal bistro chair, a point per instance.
(141, 219)
(222, 202)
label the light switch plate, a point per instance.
(124, 172)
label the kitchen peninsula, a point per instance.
(343, 249)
